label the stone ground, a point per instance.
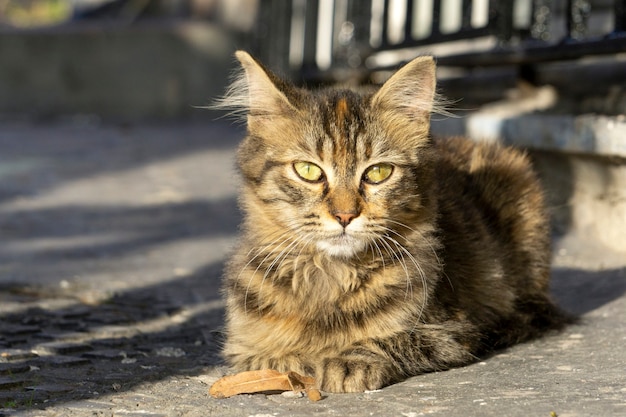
(112, 241)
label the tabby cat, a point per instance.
(370, 251)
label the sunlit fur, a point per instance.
(362, 284)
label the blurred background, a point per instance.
(134, 59)
(121, 60)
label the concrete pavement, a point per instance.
(112, 241)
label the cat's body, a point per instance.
(371, 252)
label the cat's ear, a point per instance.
(255, 91)
(411, 90)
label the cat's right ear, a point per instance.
(411, 90)
(255, 91)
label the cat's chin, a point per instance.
(341, 247)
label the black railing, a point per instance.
(333, 39)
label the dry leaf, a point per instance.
(250, 382)
(299, 382)
(263, 381)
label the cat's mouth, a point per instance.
(341, 245)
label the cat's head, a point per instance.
(336, 170)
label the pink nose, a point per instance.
(344, 219)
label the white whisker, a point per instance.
(259, 266)
(374, 244)
(277, 249)
(419, 269)
(421, 234)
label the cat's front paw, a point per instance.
(351, 374)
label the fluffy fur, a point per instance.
(362, 283)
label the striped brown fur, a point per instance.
(362, 281)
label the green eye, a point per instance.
(377, 173)
(308, 171)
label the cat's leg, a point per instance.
(375, 363)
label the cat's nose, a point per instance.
(344, 219)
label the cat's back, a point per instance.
(500, 176)
(492, 208)
(476, 157)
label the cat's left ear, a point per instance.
(411, 90)
(255, 92)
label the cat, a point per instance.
(370, 251)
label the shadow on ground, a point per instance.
(580, 291)
(76, 351)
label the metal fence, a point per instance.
(328, 39)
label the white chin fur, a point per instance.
(341, 247)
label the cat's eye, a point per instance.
(377, 173)
(308, 171)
